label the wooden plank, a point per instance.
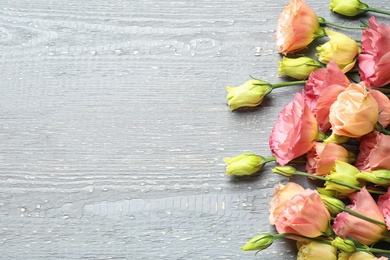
(114, 125)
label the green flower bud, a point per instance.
(347, 7)
(244, 164)
(287, 171)
(249, 94)
(259, 242)
(333, 205)
(344, 173)
(345, 245)
(298, 68)
(379, 177)
(323, 191)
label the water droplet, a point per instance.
(135, 52)
(93, 52)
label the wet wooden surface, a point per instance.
(114, 125)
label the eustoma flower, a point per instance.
(354, 113)
(249, 94)
(282, 194)
(316, 250)
(366, 232)
(347, 7)
(384, 206)
(374, 152)
(340, 48)
(322, 157)
(322, 89)
(374, 60)
(384, 106)
(298, 68)
(305, 214)
(297, 27)
(294, 131)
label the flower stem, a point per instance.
(357, 214)
(323, 21)
(375, 10)
(381, 129)
(281, 235)
(373, 250)
(285, 84)
(326, 179)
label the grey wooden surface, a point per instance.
(114, 125)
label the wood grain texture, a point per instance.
(114, 125)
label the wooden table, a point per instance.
(114, 126)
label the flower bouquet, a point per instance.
(335, 129)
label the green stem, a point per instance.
(323, 21)
(357, 214)
(282, 235)
(270, 159)
(285, 84)
(333, 181)
(381, 129)
(375, 10)
(373, 250)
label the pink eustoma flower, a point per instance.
(305, 214)
(384, 206)
(282, 194)
(322, 89)
(346, 225)
(321, 159)
(374, 152)
(294, 131)
(297, 27)
(374, 59)
(384, 106)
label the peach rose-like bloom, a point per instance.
(322, 88)
(355, 112)
(305, 214)
(374, 60)
(297, 27)
(359, 256)
(321, 159)
(384, 206)
(346, 225)
(282, 194)
(340, 48)
(374, 152)
(294, 131)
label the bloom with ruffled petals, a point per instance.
(282, 194)
(322, 88)
(374, 152)
(297, 27)
(321, 158)
(340, 48)
(294, 131)
(384, 206)
(346, 225)
(384, 106)
(305, 214)
(374, 60)
(355, 112)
